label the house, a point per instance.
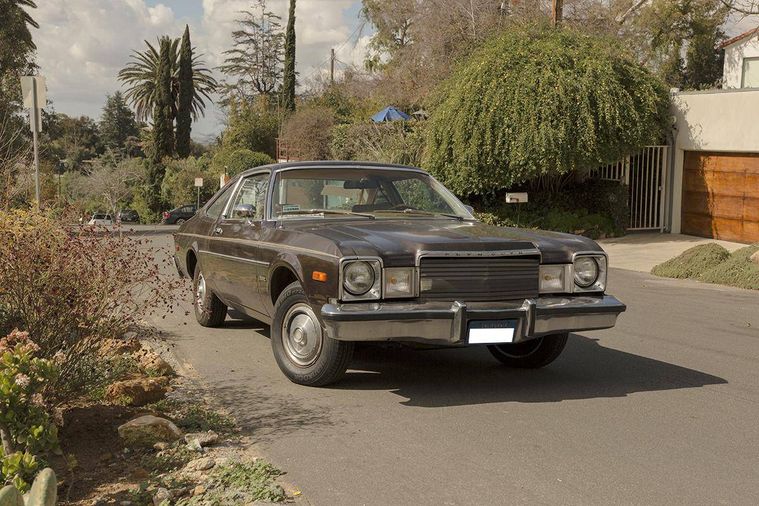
(714, 170)
(741, 68)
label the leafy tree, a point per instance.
(113, 185)
(75, 140)
(251, 125)
(539, 102)
(256, 55)
(16, 42)
(308, 132)
(117, 123)
(288, 84)
(186, 92)
(163, 115)
(178, 187)
(141, 79)
(232, 161)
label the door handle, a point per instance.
(218, 231)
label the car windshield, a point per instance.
(365, 192)
(101, 217)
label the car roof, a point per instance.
(329, 164)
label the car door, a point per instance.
(234, 243)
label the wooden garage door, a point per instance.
(721, 196)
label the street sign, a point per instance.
(199, 182)
(28, 84)
(516, 198)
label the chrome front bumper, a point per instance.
(446, 323)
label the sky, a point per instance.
(82, 44)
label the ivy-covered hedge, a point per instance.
(538, 102)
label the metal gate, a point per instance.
(645, 174)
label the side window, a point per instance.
(253, 192)
(215, 209)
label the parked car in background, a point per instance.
(179, 215)
(129, 216)
(334, 253)
(101, 219)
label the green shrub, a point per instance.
(26, 429)
(178, 186)
(595, 209)
(738, 270)
(693, 263)
(538, 102)
(396, 142)
(232, 161)
(72, 288)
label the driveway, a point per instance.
(661, 410)
(643, 251)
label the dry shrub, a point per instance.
(72, 287)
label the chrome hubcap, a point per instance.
(200, 292)
(301, 335)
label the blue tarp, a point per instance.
(390, 114)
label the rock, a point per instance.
(755, 258)
(161, 445)
(195, 445)
(119, 346)
(137, 391)
(203, 438)
(147, 430)
(161, 496)
(199, 490)
(152, 362)
(201, 464)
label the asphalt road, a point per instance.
(663, 409)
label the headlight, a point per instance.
(590, 273)
(586, 271)
(552, 278)
(400, 282)
(361, 280)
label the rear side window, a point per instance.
(215, 209)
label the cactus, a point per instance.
(44, 492)
(10, 496)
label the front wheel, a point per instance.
(304, 354)
(531, 354)
(210, 311)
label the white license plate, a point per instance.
(492, 331)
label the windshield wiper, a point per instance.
(419, 211)
(327, 211)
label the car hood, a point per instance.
(398, 241)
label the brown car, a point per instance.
(334, 253)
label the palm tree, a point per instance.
(140, 76)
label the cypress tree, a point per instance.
(163, 127)
(186, 92)
(288, 84)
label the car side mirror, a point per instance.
(244, 211)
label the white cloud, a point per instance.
(82, 44)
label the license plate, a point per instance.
(492, 331)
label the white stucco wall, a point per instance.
(733, 67)
(715, 120)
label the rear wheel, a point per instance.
(210, 311)
(304, 354)
(531, 354)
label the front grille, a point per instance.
(478, 279)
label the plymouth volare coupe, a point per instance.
(334, 253)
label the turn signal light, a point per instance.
(319, 276)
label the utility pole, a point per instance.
(557, 11)
(332, 66)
